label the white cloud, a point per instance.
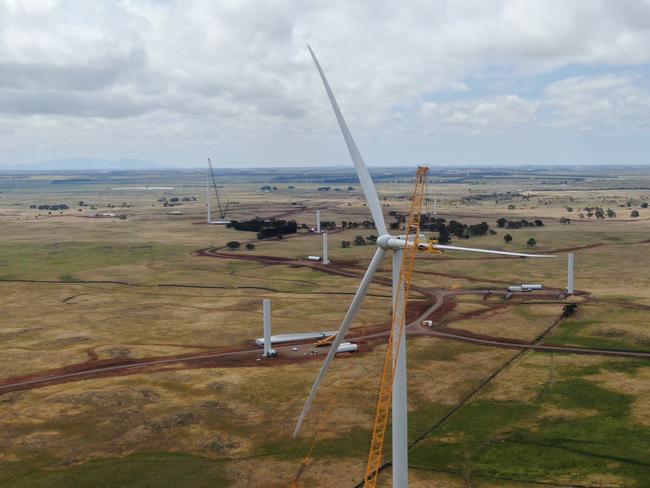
(592, 103)
(486, 115)
(610, 102)
(459, 86)
(236, 75)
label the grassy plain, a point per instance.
(77, 289)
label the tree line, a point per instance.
(56, 206)
(518, 224)
(265, 228)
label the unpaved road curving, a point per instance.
(247, 356)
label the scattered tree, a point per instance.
(359, 241)
(232, 245)
(250, 246)
(531, 242)
(479, 229)
(569, 309)
(507, 238)
(443, 236)
(634, 213)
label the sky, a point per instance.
(468, 82)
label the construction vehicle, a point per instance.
(326, 341)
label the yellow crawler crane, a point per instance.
(325, 342)
(398, 322)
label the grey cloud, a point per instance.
(81, 104)
(44, 76)
(217, 71)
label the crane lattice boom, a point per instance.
(398, 323)
(222, 210)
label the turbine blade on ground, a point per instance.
(362, 171)
(491, 251)
(345, 326)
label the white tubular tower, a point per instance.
(318, 221)
(266, 307)
(569, 287)
(400, 396)
(325, 257)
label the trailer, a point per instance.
(314, 258)
(525, 287)
(518, 288)
(532, 287)
(347, 347)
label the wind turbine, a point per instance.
(385, 242)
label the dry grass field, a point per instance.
(78, 292)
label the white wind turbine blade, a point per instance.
(364, 177)
(490, 251)
(345, 326)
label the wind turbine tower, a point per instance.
(569, 287)
(325, 257)
(318, 221)
(266, 308)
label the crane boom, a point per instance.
(222, 211)
(398, 322)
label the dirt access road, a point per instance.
(247, 356)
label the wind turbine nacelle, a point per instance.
(388, 241)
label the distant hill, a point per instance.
(89, 164)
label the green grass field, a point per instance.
(75, 289)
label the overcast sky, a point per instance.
(439, 82)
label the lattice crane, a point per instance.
(398, 323)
